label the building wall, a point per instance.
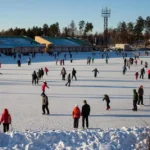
(123, 46)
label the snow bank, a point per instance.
(110, 139)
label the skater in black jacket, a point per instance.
(106, 98)
(74, 74)
(69, 80)
(135, 100)
(85, 113)
(142, 73)
(34, 77)
(95, 72)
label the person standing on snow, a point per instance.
(42, 73)
(106, 98)
(29, 61)
(136, 75)
(85, 113)
(95, 72)
(34, 77)
(142, 73)
(44, 85)
(135, 100)
(74, 74)
(6, 120)
(19, 63)
(46, 70)
(124, 70)
(63, 73)
(140, 93)
(76, 116)
(45, 103)
(69, 80)
(125, 62)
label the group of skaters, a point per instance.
(129, 62)
(36, 76)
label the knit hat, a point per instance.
(76, 105)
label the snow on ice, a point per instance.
(33, 131)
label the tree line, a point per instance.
(125, 32)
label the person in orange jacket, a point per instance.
(6, 119)
(76, 116)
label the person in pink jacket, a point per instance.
(46, 70)
(44, 85)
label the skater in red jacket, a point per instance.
(6, 120)
(46, 70)
(136, 75)
(44, 85)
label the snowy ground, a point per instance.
(24, 101)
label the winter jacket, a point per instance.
(42, 72)
(45, 100)
(135, 96)
(46, 70)
(43, 86)
(106, 98)
(69, 78)
(85, 110)
(148, 71)
(34, 76)
(5, 118)
(136, 73)
(142, 71)
(95, 71)
(74, 72)
(63, 71)
(141, 91)
(76, 113)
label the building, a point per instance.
(21, 44)
(123, 46)
(63, 44)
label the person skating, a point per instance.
(45, 103)
(106, 98)
(37, 79)
(6, 120)
(85, 113)
(46, 70)
(56, 61)
(76, 116)
(141, 62)
(125, 62)
(136, 75)
(39, 73)
(140, 94)
(69, 80)
(92, 60)
(135, 100)
(44, 85)
(42, 73)
(63, 73)
(29, 61)
(74, 74)
(34, 77)
(148, 74)
(19, 63)
(106, 59)
(146, 64)
(124, 70)
(142, 73)
(95, 72)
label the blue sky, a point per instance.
(26, 13)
